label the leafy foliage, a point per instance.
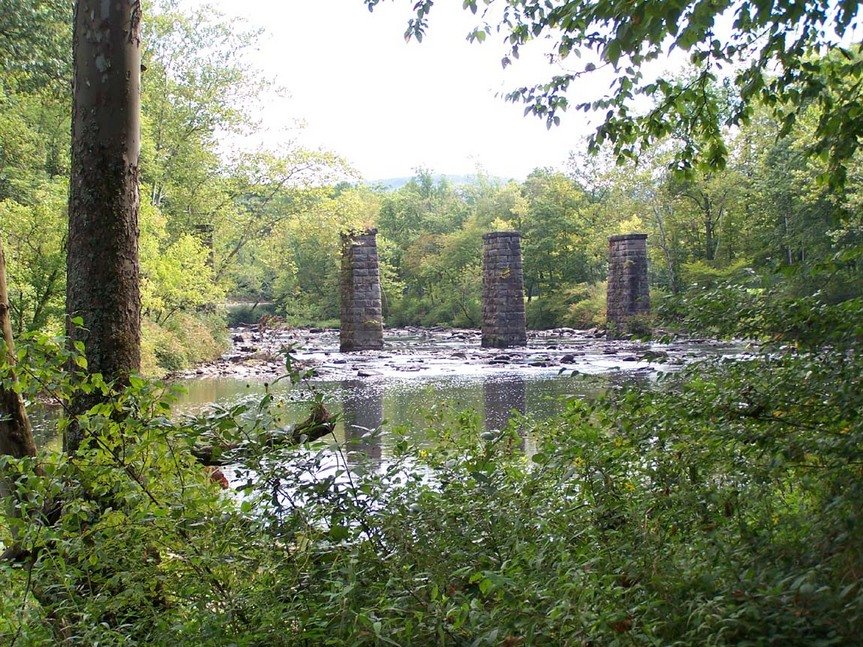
(35, 37)
(784, 55)
(177, 276)
(36, 234)
(723, 506)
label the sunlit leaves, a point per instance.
(176, 275)
(35, 236)
(778, 54)
(35, 45)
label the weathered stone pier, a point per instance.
(628, 294)
(503, 323)
(361, 314)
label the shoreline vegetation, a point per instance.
(722, 507)
(725, 503)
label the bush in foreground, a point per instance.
(723, 507)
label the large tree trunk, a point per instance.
(102, 266)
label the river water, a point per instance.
(422, 377)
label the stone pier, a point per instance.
(361, 316)
(503, 322)
(628, 294)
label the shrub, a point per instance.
(246, 313)
(587, 306)
(581, 307)
(723, 507)
(181, 342)
(545, 312)
(706, 275)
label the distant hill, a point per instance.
(394, 183)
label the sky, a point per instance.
(389, 107)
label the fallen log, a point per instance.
(319, 423)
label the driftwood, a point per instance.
(318, 424)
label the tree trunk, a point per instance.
(16, 435)
(709, 233)
(102, 265)
(667, 250)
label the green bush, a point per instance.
(181, 342)
(545, 312)
(162, 351)
(245, 313)
(456, 310)
(580, 307)
(407, 311)
(587, 306)
(723, 507)
(744, 311)
(703, 274)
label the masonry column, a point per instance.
(502, 291)
(361, 317)
(628, 294)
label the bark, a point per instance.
(709, 233)
(16, 435)
(667, 249)
(102, 264)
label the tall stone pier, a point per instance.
(628, 294)
(503, 322)
(361, 315)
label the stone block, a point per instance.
(361, 321)
(628, 290)
(503, 321)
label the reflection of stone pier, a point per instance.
(503, 323)
(501, 399)
(361, 314)
(628, 294)
(362, 412)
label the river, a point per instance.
(424, 375)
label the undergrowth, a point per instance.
(722, 508)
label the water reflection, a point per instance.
(503, 398)
(418, 405)
(362, 415)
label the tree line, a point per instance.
(765, 223)
(262, 225)
(722, 508)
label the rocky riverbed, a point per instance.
(256, 355)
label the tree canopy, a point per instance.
(787, 55)
(719, 505)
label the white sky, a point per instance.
(388, 106)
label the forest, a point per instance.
(722, 506)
